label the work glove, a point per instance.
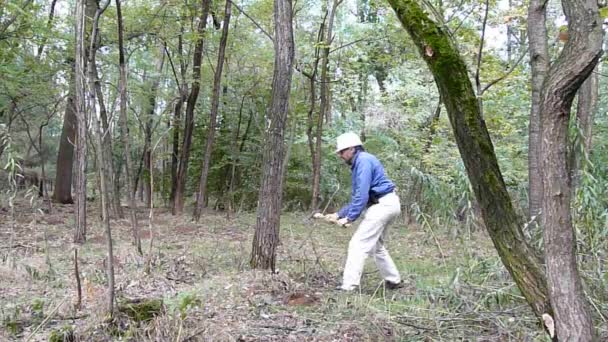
(343, 222)
(333, 218)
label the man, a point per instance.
(371, 189)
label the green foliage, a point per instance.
(182, 303)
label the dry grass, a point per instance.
(209, 293)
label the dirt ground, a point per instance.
(456, 287)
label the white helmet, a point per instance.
(347, 140)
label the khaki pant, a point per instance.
(369, 239)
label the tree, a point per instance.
(575, 63)
(477, 152)
(266, 234)
(65, 156)
(124, 130)
(81, 125)
(201, 197)
(586, 108)
(539, 65)
(182, 171)
(326, 38)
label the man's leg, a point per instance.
(392, 208)
(362, 244)
(385, 264)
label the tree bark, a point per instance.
(477, 152)
(201, 197)
(539, 63)
(266, 234)
(65, 156)
(124, 130)
(576, 61)
(81, 120)
(182, 171)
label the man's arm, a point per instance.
(360, 195)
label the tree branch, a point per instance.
(252, 20)
(479, 54)
(506, 74)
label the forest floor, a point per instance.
(456, 286)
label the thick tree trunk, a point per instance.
(182, 171)
(577, 60)
(266, 236)
(477, 152)
(124, 131)
(65, 156)
(81, 122)
(201, 197)
(539, 63)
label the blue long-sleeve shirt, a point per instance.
(368, 181)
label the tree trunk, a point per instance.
(201, 197)
(65, 156)
(577, 60)
(95, 99)
(177, 113)
(539, 63)
(182, 171)
(477, 152)
(81, 121)
(312, 78)
(124, 131)
(266, 234)
(585, 112)
(324, 105)
(113, 195)
(152, 94)
(105, 206)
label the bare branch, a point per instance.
(506, 74)
(252, 20)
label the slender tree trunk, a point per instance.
(266, 236)
(81, 131)
(539, 63)
(585, 112)
(183, 96)
(201, 197)
(182, 171)
(124, 130)
(577, 60)
(312, 77)
(325, 104)
(234, 160)
(95, 99)
(65, 156)
(113, 195)
(149, 123)
(477, 152)
(105, 206)
(49, 26)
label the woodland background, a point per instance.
(184, 126)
